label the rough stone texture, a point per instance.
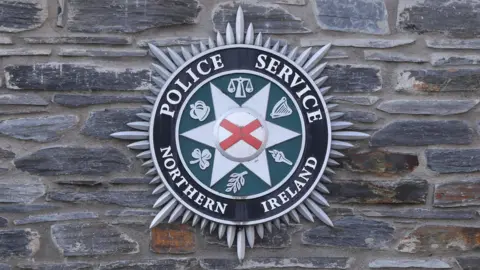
(64, 77)
(360, 117)
(5, 266)
(98, 40)
(267, 18)
(276, 263)
(57, 266)
(101, 52)
(361, 78)
(381, 162)
(364, 16)
(173, 239)
(449, 59)
(84, 183)
(12, 110)
(74, 101)
(453, 160)
(25, 52)
(351, 232)
(19, 243)
(18, 188)
(6, 40)
(22, 99)
(409, 264)
(91, 239)
(428, 107)
(453, 43)
(336, 54)
(132, 213)
(438, 80)
(393, 57)
(456, 194)
(24, 208)
(275, 240)
(39, 129)
(6, 154)
(438, 238)
(73, 160)
(172, 41)
(468, 263)
(420, 213)
(55, 217)
(174, 264)
(128, 198)
(357, 43)
(21, 15)
(130, 181)
(378, 192)
(357, 100)
(128, 17)
(3, 222)
(423, 132)
(452, 18)
(101, 124)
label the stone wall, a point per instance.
(74, 71)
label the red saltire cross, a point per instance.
(240, 133)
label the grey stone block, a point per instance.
(108, 40)
(453, 160)
(14, 110)
(438, 80)
(453, 43)
(4, 266)
(74, 100)
(361, 79)
(356, 42)
(409, 264)
(357, 100)
(19, 243)
(127, 198)
(453, 59)
(6, 154)
(26, 208)
(57, 266)
(128, 17)
(25, 52)
(360, 117)
(22, 15)
(276, 263)
(361, 16)
(172, 41)
(91, 239)
(427, 107)
(423, 132)
(101, 124)
(468, 263)
(19, 188)
(420, 213)
(55, 217)
(3, 223)
(39, 129)
(73, 160)
(393, 57)
(457, 193)
(74, 52)
(174, 264)
(22, 99)
(132, 213)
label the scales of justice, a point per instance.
(243, 86)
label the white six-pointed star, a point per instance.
(222, 164)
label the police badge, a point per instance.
(240, 135)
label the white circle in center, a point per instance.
(240, 134)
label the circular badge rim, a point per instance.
(327, 118)
(184, 105)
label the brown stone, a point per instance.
(173, 239)
(455, 194)
(381, 162)
(437, 238)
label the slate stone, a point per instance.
(128, 198)
(173, 239)
(102, 52)
(3, 223)
(449, 59)
(468, 263)
(19, 188)
(82, 183)
(57, 266)
(100, 124)
(22, 99)
(451, 18)
(73, 77)
(6, 154)
(15, 110)
(73, 160)
(438, 80)
(381, 162)
(266, 18)
(6, 40)
(38, 129)
(275, 240)
(362, 79)
(392, 57)
(420, 213)
(132, 213)
(25, 52)
(378, 192)
(22, 15)
(98, 40)
(55, 217)
(289, 2)
(453, 43)
(453, 160)
(129, 17)
(130, 181)
(439, 238)
(26, 208)
(19, 243)
(336, 54)
(276, 263)
(357, 100)
(5, 266)
(75, 100)
(423, 132)
(167, 264)
(457, 194)
(409, 264)
(357, 42)
(363, 16)
(91, 239)
(360, 117)
(351, 232)
(172, 41)
(428, 107)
